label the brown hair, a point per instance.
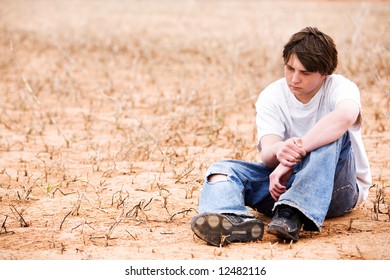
(315, 50)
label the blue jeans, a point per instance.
(323, 185)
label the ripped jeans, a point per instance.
(322, 185)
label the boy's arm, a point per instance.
(332, 126)
(328, 129)
(275, 150)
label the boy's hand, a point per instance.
(278, 180)
(290, 152)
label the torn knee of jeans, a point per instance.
(216, 177)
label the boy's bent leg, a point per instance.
(223, 216)
(312, 189)
(345, 191)
(230, 185)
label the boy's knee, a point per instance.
(216, 178)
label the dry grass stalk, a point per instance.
(153, 109)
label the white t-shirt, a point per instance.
(280, 113)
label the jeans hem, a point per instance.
(307, 216)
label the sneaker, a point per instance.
(222, 229)
(286, 223)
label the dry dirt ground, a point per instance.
(111, 111)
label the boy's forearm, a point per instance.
(268, 155)
(327, 130)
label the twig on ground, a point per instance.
(82, 224)
(182, 212)
(22, 221)
(5, 229)
(111, 229)
(64, 194)
(139, 207)
(63, 220)
(272, 248)
(135, 238)
(360, 253)
(93, 205)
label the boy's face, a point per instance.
(302, 83)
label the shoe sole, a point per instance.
(217, 230)
(282, 233)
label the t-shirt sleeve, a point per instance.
(268, 119)
(347, 90)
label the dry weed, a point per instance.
(109, 122)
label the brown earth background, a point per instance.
(111, 111)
